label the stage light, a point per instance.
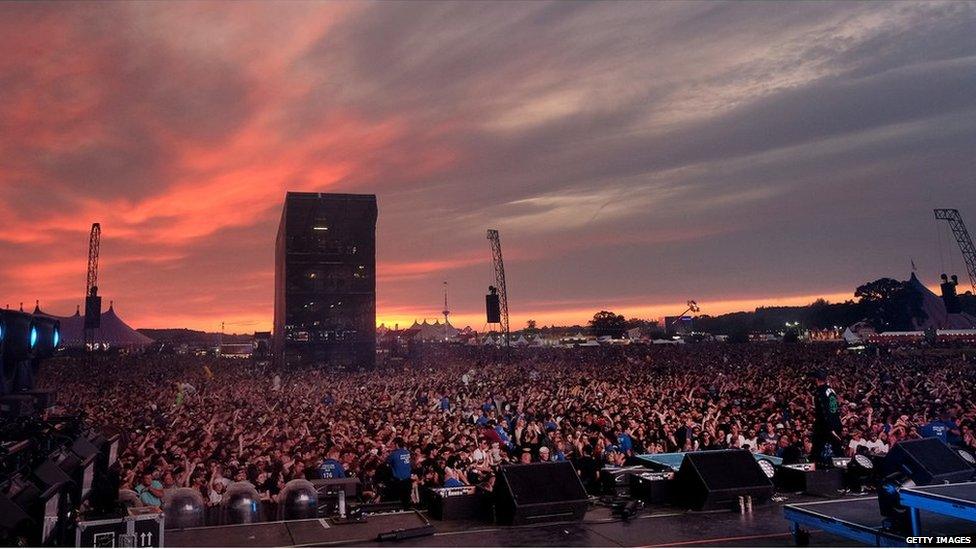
(184, 508)
(241, 504)
(14, 523)
(966, 456)
(45, 336)
(87, 453)
(16, 328)
(43, 499)
(299, 500)
(859, 471)
(889, 500)
(767, 467)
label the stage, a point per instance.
(657, 526)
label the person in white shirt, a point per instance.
(856, 440)
(751, 441)
(877, 445)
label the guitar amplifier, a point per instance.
(460, 503)
(652, 486)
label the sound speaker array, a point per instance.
(493, 309)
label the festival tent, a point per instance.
(112, 331)
(935, 311)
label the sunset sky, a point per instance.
(633, 155)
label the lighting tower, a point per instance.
(962, 238)
(446, 311)
(499, 264)
(93, 303)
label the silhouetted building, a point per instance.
(325, 279)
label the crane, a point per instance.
(962, 238)
(93, 303)
(499, 265)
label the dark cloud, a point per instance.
(632, 153)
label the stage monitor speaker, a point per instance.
(716, 479)
(493, 309)
(534, 493)
(927, 461)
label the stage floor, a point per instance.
(656, 527)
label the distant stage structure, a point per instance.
(965, 242)
(325, 280)
(112, 332)
(497, 298)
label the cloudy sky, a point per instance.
(633, 155)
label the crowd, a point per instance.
(452, 417)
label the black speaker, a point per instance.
(653, 487)
(533, 493)
(809, 480)
(493, 309)
(927, 461)
(949, 297)
(17, 346)
(93, 312)
(716, 479)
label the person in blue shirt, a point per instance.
(451, 479)
(445, 404)
(624, 442)
(150, 490)
(503, 435)
(483, 418)
(332, 467)
(943, 427)
(401, 469)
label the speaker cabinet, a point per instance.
(539, 492)
(716, 479)
(809, 480)
(927, 461)
(493, 309)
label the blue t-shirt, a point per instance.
(445, 404)
(624, 442)
(399, 462)
(452, 483)
(938, 428)
(148, 497)
(331, 468)
(503, 435)
(482, 420)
